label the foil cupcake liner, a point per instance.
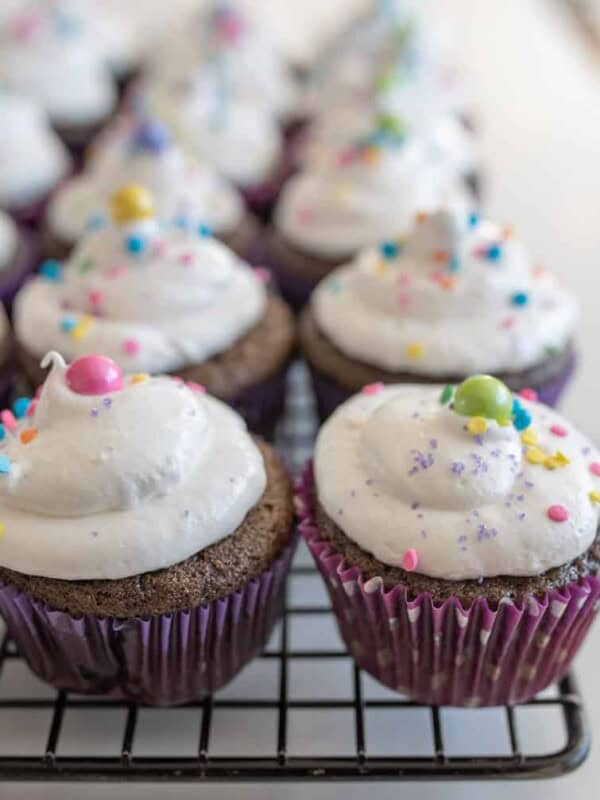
(444, 653)
(329, 394)
(167, 659)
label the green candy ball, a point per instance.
(483, 396)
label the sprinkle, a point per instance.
(20, 406)
(96, 222)
(558, 513)
(447, 394)
(86, 265)
(557, 460)
(182, 222)
(421, 217)
(594, 496)
(595, 468)
(2, 432)
(558, 430)
(440, 256)
(410, 560)
(477, 425)
(82, 328)
(529, 437)
(2, 530)
(4, 464)
(508, 232)
(474, 219)
(493, 252)
(196, 387)
(135, 244)
(403, 300)
(522, 419)
(131, 347)
(535, 456)
(116, 272)
(67, 324)
(389, 250)
(507, 323)
(263, 275)
(28, 435)
(141, 377)
(205, 231)
(372, 388)
(95, 297)
(454, 264)
(32, 407)
(186, 259)
(529, 394)
(306, 216)
(415, 350)
(8, 420)
(519, 299)
(51, 270)
(107, 402)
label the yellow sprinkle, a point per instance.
(557, 460)
(535, 456)
(371, 155)
(529, 437)
(551, 463)
(131, 203)
(83, 327)
(140, 378)
(415, 350)
(594, 497)
(2, 525)
(381, 268)
(477, 426)
(562, 459)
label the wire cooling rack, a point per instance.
(301, 711)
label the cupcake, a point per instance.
(149, 568)
(372, 190)
(459, 295)
(33, 160)
(142, 151)
(462, 561)
(162, 296)
(53, 59)
(18, 252)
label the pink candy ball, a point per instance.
(94, 375)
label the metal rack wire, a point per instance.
(359, 761)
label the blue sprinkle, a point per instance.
(51, 270)
(2, 432)
(67, 324)
(454, 264)
(151, 136)
(182, 222)
(4, 464)
(96, 222)
(20, 406)
(135, 244)
(522, 420)
(389, 250)
(205, 231)
(516, 406)
(519, 299)
(494, 252)
(474, 219)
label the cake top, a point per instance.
(153, 294)
(459, 482)
(143, 151)
(457, 295)
(86, 490)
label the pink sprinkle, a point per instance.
(32, 407)
(305, 216)
(95, 297)
(131, 347)
(345, 157)
(558, 513)
(403, 300)
(186, 259)
(410, 560)
(177, 379)
(372, 388)
(116, 272)
(263, 274)
(595, 468)
(159, 247)
(8, 420)
(403, 279)
(558, 430)
(196, 387)
(507, 323)
(529, 394)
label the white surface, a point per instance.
(539, 99)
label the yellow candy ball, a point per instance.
(131, 204)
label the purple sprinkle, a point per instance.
(420, 516)
(522, 515)
(353, 493)
(94, 412)
(529, 485)
(458, 468)
(484, 533)
(508, 505)
(424, 534)
(95, 534)
(369, 482)
(520, 498)
(496, 453)
(479, 440)
(433, 444)
(462, 538)
(107, 402)
(414, 505)
(586, 451)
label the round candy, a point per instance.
(483, 396)
(94, 375)
(132, 203)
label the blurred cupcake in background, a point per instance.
(33, 160)
(140, 566)
(367, 191)
(458, 295)
(457, 531)
(142, 151)
(51, 57)
(18, 258)
(161, 295)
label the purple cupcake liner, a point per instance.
(17, 273)
(262, 406)
(444, 653)
(329, 394)
(261, 198)
(295, 289)
(167, 659)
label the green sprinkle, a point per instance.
(86, 265)
(447, 394)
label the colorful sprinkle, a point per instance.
(558, 513)
(594, 496)
(529, 437)
(82, 328)
(20, 406)
(67, 324)
(205, 231)
(447, 394)
(415, 350)
(263, 275)
(529, 394)
(32, 407)
(94, 375)
(410, 560)
(186, 259)
(2, 530)
(2, 432)
(85, 265)
(51, 270)
(131, 347)
(493, 252)
(389, 250)
(595, 468)
(372, 388)
(4, 464)
(131, 204)
(95, 297)
(477, 426)
(559, 430)
(474, 219)
(519, 299)
(522, 419)
(196, 387)
(96, 222)
(135, 244)
(28, 435)
(141, 377)
(535, 456)
(454, 264)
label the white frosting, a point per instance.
(9, 240)
(464, 311)
(32, 158)
(241, 140)
(97, 496)
(55, 62)
(181, 301)
(180, 184)
(398, 471)
(222, 37)
(335, 211)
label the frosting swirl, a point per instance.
(9, 241)
(120, 501)
(32, 159)
(459, 295)
(401, 472)
(143, 152)
(154, 295)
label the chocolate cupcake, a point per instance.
(137, 150)
(143, 567)
(458, 295)
(372, 191)
(33, 160)
(50, 56)
(163, 296)
(457, 531)
(18, 253)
